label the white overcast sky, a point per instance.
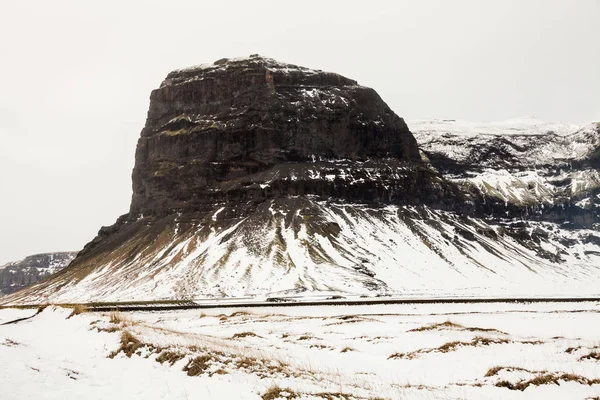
(76, 78)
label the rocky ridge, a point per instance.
(17, 275)
(542, 171)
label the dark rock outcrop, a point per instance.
(216, 132)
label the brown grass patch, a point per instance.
(247, 363)
(224, 317)
(78, 309)
(276, 392)
(455, 326)
(494, 370)
(451, 346)
(219, 371)
(198, 365)
(115, 317)
(42, 307)
(319, 346)
(571, 349)
(548, 379)
(442, 325)
(244, 334)
(10, 343)
(333, 396)
(129, 345)
(347, 349)
(594, 355)
(307, 337)
(169, 356)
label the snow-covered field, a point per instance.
(445, 351)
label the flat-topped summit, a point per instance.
(212, 124)
(254, 61)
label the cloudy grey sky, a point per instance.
(76, 78)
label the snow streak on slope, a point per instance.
(318, 247)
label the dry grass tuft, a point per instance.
(219, 371)
(477, 341)
(244, 334)
(347, 349)
(110, 329)
(455, 326)
(223, 317)
(452, 346)
(276, 392)
(239, 314)
(42, 307)
(494, 370)
(169, 356)
(246, 363)
(198, 366)
(78, 309)
(129, 345)
(594, 355)
(333, 396)
(548, 379)
(116, 317)
(307, 337)
(442, 325)
(571, 349)
(10, 343)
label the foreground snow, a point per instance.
(338, 352)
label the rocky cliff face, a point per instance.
(251, 129)
(17, 275)
(259, 178)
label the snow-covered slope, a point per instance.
(319, 247)
(524, 162)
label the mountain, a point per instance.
(254, 177)
(20, 274)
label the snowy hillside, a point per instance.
(524, 162)
(320, 248)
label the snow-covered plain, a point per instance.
(434, 351)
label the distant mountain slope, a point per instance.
(20, 274)
(548, 171)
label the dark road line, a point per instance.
(188, 306)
